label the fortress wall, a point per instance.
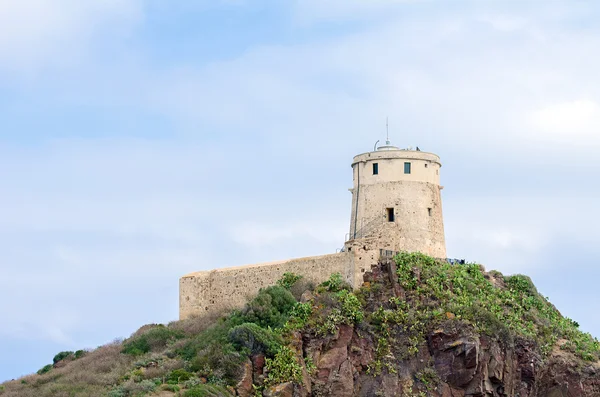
(216, 291)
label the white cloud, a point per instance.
(311, 10)
(261, 235)
(38, 33)
(575, 122)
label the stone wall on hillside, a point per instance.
(213, 292)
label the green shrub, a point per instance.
(522, 284)
(179, 375)
(146, 386)
(284, 367)
(61, 356)
(270, 308)
(153, 339)
(79, 353)
(351, 307)
(288, 280)
(207, 391)
(219, 363)
(429, 377)
(117, 391)
(171, 388)
(335, 284)
(255, 339)
(44, 369)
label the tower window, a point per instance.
(429, 211)
(407, 168)
(425, 165)
(375, 168)
(390, 214)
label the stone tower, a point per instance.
(396, 203)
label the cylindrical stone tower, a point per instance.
(396, 201)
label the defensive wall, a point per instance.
(212, 292)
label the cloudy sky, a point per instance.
(143, 140)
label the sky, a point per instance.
(144, 140)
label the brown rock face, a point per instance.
(244, 387)
(452, 361)
(282, 390)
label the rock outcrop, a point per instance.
(452, 361)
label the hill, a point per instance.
(418, 327)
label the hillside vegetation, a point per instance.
(391, 337)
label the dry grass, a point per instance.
(90, 375)
(195, 325)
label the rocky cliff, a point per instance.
(452, 360)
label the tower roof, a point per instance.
(387, 146)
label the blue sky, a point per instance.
(142, 140)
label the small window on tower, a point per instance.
(407, 168)
(390, 214)
(375, 168)
(429, 211)
(425, 165)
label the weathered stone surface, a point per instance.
(244, 386)
(281, 390)
(307, 296)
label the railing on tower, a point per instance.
(367, 228)
(364, 231)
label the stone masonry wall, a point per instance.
(212, 292)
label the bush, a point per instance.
(61, 356)
(179, 375)
(219, 363)
(270, 308)
(522, 284)
(207, 391)
(118, 391)
(335, 284)
(255, 339)
(171, 388)
(284, 367)
(351, 307)
(44, 369)
(288, 280)
(153, 339)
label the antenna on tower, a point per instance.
(387, 131)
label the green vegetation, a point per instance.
(429, 377)
(207, 391)
(44, 369)
(62, 355)
(502, 307)
(288, 280)
(284, 367)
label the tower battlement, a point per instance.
(396, 206)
